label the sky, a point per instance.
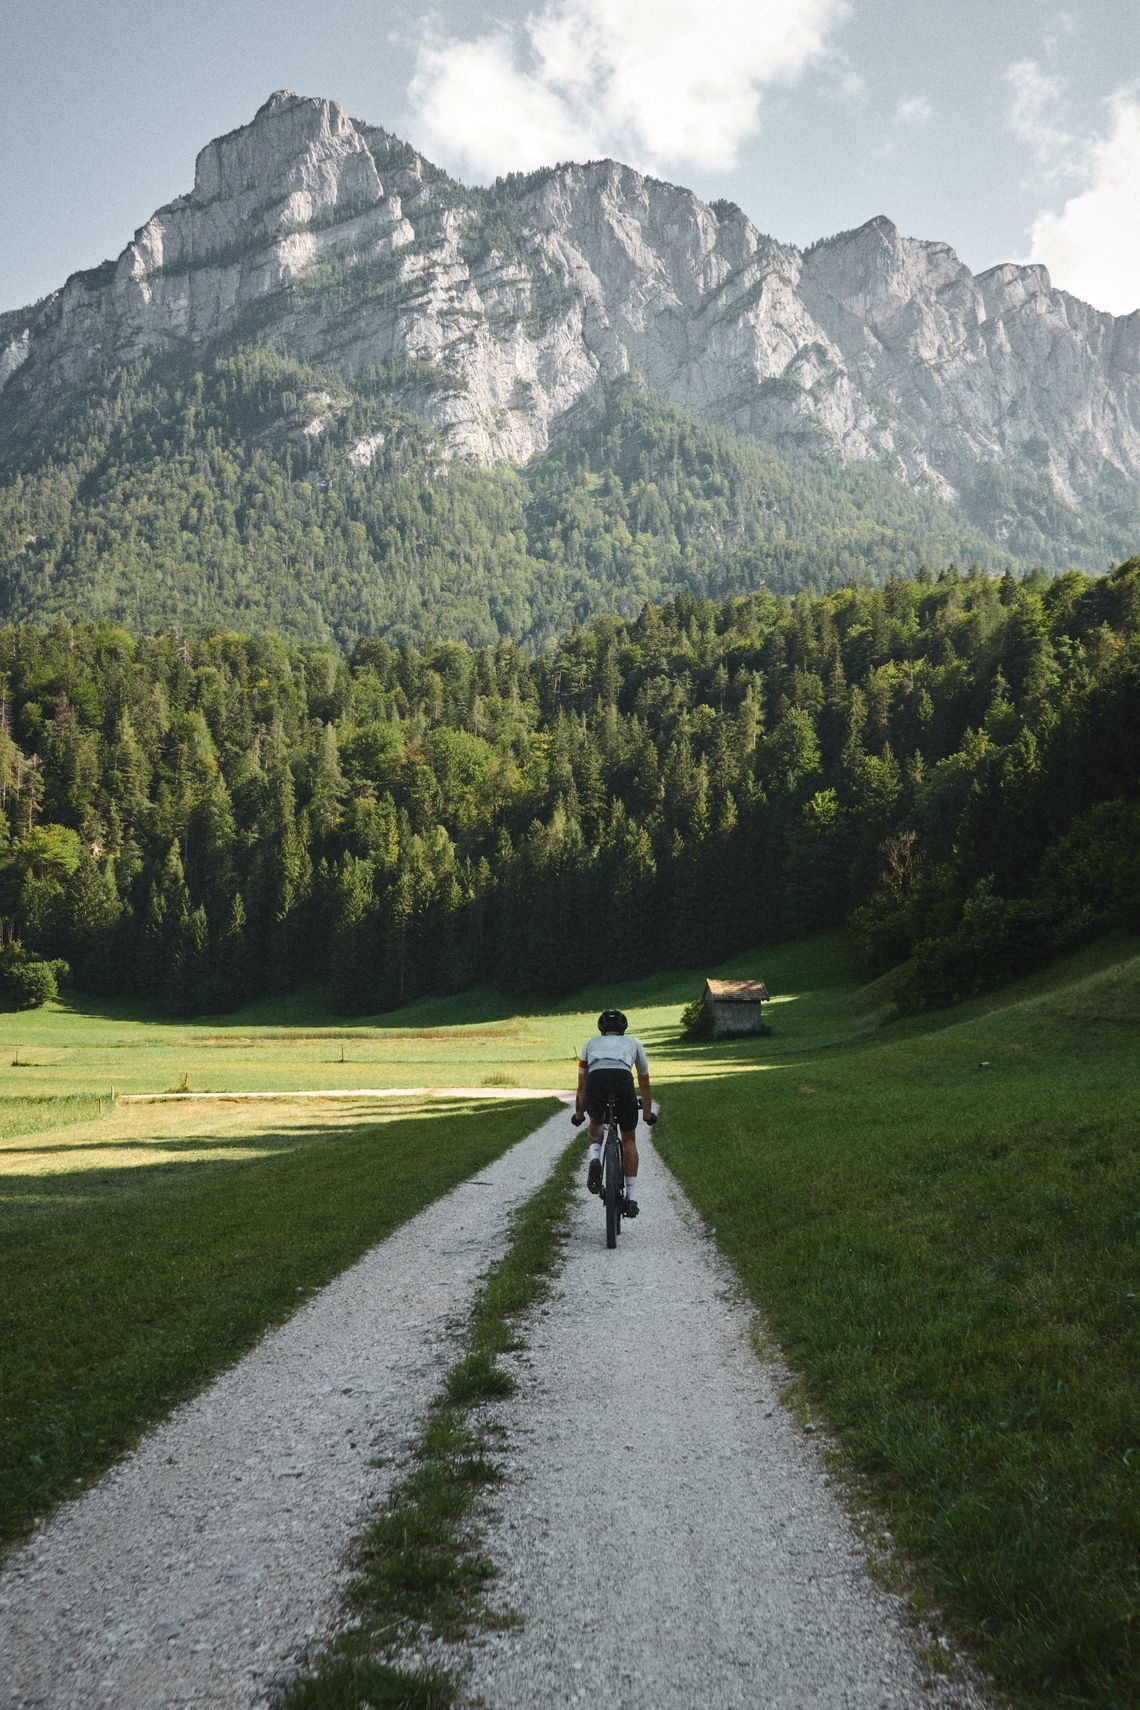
(1009, 129)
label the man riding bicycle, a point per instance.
(606, 1065)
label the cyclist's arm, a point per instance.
(642, 1066)
(580, 1096)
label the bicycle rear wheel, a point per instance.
(612, 1187)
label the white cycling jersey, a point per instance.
(613, 1051)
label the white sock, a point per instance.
(595, 1150)
(631, 1187)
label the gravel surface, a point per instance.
(279, 1097)
(197, 1570)
(668, 1533)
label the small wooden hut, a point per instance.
(735, 1005)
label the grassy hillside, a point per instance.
(238, 495)
(942, 1226)
(939, 1219)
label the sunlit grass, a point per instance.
(192, 1132)
(942, 1226)
(84, 1052)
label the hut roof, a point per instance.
(737, 991)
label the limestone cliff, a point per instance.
(496, 312)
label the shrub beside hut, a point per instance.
(727, 1007)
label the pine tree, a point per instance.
(355, 973)
(92, 914)
(328, 785)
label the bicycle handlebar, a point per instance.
(649, 1117)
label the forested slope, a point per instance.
(262, 494)
(952, 763)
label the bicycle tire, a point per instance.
(612, 1188)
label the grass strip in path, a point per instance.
(127, 1286)
(420, 1575)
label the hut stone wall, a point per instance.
(733, 1006)
(734, 1017)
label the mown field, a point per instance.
(940, 1220)
(292, 1044)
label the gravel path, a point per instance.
(197, 1570)
(492, 1093)
(668, 1534)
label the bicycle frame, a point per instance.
(613, 1174)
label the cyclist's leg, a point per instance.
(595, 1109)
(627, 1117)
(595, 1103)
(630, 1161)
(594, 1161)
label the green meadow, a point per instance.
(939, 1219)
(143, 1252)
(941, 1223)
(81, 1052)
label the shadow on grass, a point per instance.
(263, 1142)
(820, 963)
(126, 1290)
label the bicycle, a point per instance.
(613, 1170)
(613, 1175)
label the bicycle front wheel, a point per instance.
(612, 1190)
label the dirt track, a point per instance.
(667, 1531)
(344, 1092)
(197, 1570)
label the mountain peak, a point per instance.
(293, 142)
(879, 226)
(873, 271)
(498, 312)
(279, 98)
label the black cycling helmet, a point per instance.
(612, 1021)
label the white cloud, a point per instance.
(1038, 116)
(1092, 245)
(651, 81)
(909, 115)
(848, 82)
(472, 102)
(915, 112)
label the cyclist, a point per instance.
(606, 1065)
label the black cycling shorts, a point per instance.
(604, 1084)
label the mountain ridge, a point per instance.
(612, 269)
(494, 315)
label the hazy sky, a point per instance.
(1008, 128)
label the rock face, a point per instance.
(496, 312)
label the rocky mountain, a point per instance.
(497, 315)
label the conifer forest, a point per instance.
(949, 765)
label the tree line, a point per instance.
(948, 765)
